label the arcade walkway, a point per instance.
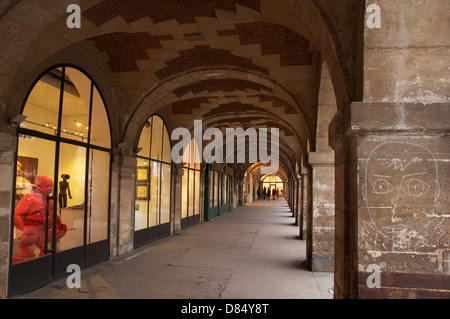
(252, 253)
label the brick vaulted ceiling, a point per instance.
(267, 75)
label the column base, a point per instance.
(322, 263)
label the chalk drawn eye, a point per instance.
(382, 186)
(416, 188)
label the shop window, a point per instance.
(57, 147)
(216, 189)
(153, 182)
(191, 183)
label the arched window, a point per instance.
(65, 141)
(273, 182)
(190, 198)
(153, 181)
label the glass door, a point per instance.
(61, 209)
(32, 227)
(153, 183)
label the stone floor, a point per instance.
(252, 253)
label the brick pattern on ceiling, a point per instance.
(255, 122)
(242, 47)
(235, 107)
(209, 106)
(274, 39)
(222, 85)
(184, 11)
(185, 107)
(124, 49)
(277, 102)
(205, 56)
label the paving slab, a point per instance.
(252, 253)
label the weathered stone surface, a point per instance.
(402, 223)
(320, 218)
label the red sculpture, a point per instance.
(30, 218)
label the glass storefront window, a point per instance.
(157, 138)
(31, 205)
(216, 189)
(42, 106)
(142, 194)
(98, 196)
(100, 129)
(76, 105)
(197, 193)
(224, 189)
(167, 150)
(211, 190)
(72, 172)
(184, 194)
(153, 177)
(155, 193)
(144, 141)
(58, 110)
(191, 182)
(191, 193)
(165, 189)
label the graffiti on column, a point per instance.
(400, 191)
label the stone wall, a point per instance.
(392, 153)
(320, 218)
(403, 216)
(6, 174)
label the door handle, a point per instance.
(46, 250)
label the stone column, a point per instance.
(298, 200)
(294, 196)
(392, 159)
(395, 218)
(303, 203)
(320, 239)
(177, 191)
(240, 185)
(124, 217)
(7, 162)
(345, 272)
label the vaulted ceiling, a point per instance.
(230, 63)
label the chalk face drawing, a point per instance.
(400, 189)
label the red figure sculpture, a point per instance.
(30, 218)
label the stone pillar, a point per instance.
(396, 218)
(7, 162)
(240, 185)
(124, 219)
(346, 207)
(177, 191)
(294, 196)
(392, 159)
(320, 239)
(304, 203)
(298, 200)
